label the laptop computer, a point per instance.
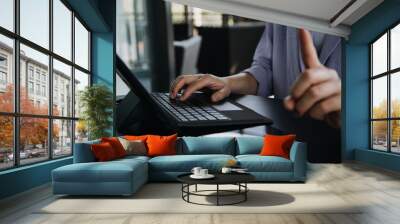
(197, 111)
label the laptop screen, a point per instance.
(130, 79)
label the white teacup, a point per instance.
(226, 170)
(196, 171)
(203, 172)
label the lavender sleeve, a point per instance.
(335, 59)
(261, 67)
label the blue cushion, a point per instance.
(249, 145)
(206, 145)
(185, 163)
(112, 171)
(257, 163)
(83, 152)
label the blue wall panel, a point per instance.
(356, 87)
(100, 17)
(24, 178)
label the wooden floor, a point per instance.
(353, 182)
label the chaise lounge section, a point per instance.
(125, 176)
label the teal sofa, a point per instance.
(125, 176)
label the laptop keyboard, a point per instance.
(188, 110)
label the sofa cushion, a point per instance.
(112, 171)
(161, 145)
(83, 152)
(277, 145)
(206, 145)
(185, 163)
(135, 147)
(103, 152)
(257, 163)
(249, 145)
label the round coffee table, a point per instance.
(238, 179)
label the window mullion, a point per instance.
(73, 82)
(389, 104)
(16, 84)
(50, 81)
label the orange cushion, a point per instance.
(136, 137)
(103, 152)
(161, 145)
(277, 145)
(116, 145)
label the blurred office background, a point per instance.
(160, 40)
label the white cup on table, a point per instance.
(203, 172)
(196, 171)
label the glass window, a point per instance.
(81, 45)
(6, 142)
(379, 97)
(6, 71)
(7, 14)
(62, 138)
(379, 135)
(81, 131)
(62, 72)
(30, 87)
(395, 47)
(33, 140)
(395, 136)
(40, 62)
(81, 82)
(379, 56)
(385, 92)
(62, 29)
(395, 95)
(34, 55)
(34, 21)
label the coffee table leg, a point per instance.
(245, 193)
(217, 194)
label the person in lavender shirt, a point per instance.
(295, 65)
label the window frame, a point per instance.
(388, 74)
(16, 114)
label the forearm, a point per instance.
(242, 83)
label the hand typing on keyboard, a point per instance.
(193, 83)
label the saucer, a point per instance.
(208, 176)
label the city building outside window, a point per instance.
(41, 128)
(385, 91)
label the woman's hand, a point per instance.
(192, 83)
(317, 91)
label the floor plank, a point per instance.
(377, 189)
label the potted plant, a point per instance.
(96, 110)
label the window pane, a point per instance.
(81, 131)
(62, 29)
(33, 139)
(379, 56)
(62, 138)
(395, 94)
(34, 97)
(395, 47)
(81, 81)
(6, 74)
(395, 135)
(35, 21)
(379, 135)
(81, 45)
(6, 142)
(7, 14)
(379, 97)
(62, 89)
